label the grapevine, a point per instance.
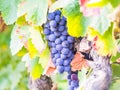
(65, 44)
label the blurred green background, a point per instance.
(13, 73)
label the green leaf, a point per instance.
(114, 3)
(114, 58)
(59, 4)
(105, 44)
(45, 57)
(101, 22)
(76, 23)
(36, 68)
(8, 9)
(15, 43)
(37, 39)
(36, 11)
(116, 70)
(115, 85)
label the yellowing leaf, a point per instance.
(45, 57)
(31, 49)
(37, 39)
(105, 43)
(97, 3)
(36, 71)
(76, 23)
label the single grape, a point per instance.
(52, 37)
(59, 47)
(69, 54)
(60, 69)
(57, 18)
(57, 33)
(67, 68)
(51, 16)
(53, 50)
(46, 31)
(63, 38)
(75, 83)
(66, 62)
(58, 12)
(59, 61)
(53, 44)
(53, 29)
(71, 88)
(57, 55)
(53, 23)
(65, 51)
(62, 22)
(50, 44)
(63, 56)
(58, 41)
(64, 32)
(61, 28)
(70, 39)
(74, 77)
(65, 43)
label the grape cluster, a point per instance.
(73, 80)
(60, 43)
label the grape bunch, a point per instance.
(60, 43)
(73, 80)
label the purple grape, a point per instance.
(63, 38)
(50, 44)
(58, 12)
(59, 47)
(46, 31)
(53, 44)
(69, 54)
(74, 77)
(62, 21)
(52, 37)
(65, 44)
(57, 34)
(51, 16)
(71, 88)
(65, 51)
(67, 68)
(64, 32)
(60, 69)
(53, 29)
(57, 55)
(58, 41)
(61, 28)
(59, 61)
(74, 83)
(57, 18)
(66, 62)
(63, 56)
(53, 23)
(70, 39)
(53, 50)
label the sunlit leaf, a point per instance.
(105, 44)
(8, 10)
(114, 3)
(59, 4)
(76, 23)
(114, 58)
(45, 57)
(37, 39)
(101, 22)
(15, 43)
(36, 68)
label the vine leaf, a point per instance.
(15, 43)
(105, 44)
(114, 3)
(115, 58)
(35, 10)
(76, 23)
(33, 66)
(8, 8)
(44, 57)
(103, 19)
(37, 39)
(59, 4)
(79, 62)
